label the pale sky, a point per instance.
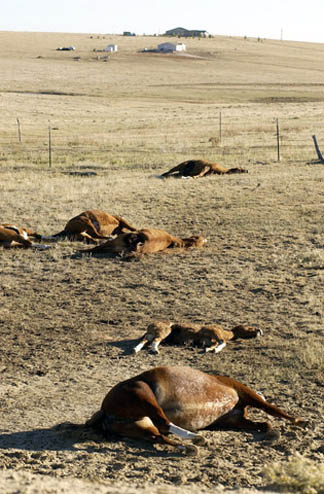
(297, 20)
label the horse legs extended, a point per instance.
(88, 238)
(145, 429)
(203, 172)
(144, 341)
(155, 333)
(217, 347)
(155, 341)
(237, 419)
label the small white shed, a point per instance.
(180, 47)
(171, 47)
(111, 48)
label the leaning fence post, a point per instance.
(49, 146)
(317, 149)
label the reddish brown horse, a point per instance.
(146, 241)
(15, 236)
(212, 337)
(92, 226)
(181, 401)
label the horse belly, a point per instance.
(200, 414)
(192, 399)
(152, 246)
(106, 230)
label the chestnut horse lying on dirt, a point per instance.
(200, 168)
(92, 226)
(14, 236)
(211, 336)
(180, 400)
(146, 241)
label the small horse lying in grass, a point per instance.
(181, 401)
(212, 337)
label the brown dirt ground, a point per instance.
(67, 323)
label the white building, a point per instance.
(180, 47)
(111, 48)
(171, 47)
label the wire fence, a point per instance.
(225, 136)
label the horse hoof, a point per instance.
(301, 423)
(190, 450)
(200, 440)
(272, 436)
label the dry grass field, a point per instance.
(67, 323)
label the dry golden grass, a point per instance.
(67, 322)
(142, 109)
(297, 475)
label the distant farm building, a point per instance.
(111, 48)
(171, 47)
(187, 33)
(66, 48)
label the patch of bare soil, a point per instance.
(11, 482)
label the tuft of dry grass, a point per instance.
(310, 353)
(298, 474)
(312, 259)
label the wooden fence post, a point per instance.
(317, 149)
(220, 128)
(19, 130)
(49, 146)
(278, 140)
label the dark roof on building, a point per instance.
(185, 32)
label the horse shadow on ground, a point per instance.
(73, 438)
(52, 439)
(117, 257)
(126, 346)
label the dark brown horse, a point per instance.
(200, 168)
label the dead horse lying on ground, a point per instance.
(15, 236)
(200, 168)
(212, 337)
(181, 400)
(146, 241)
(93, 225)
